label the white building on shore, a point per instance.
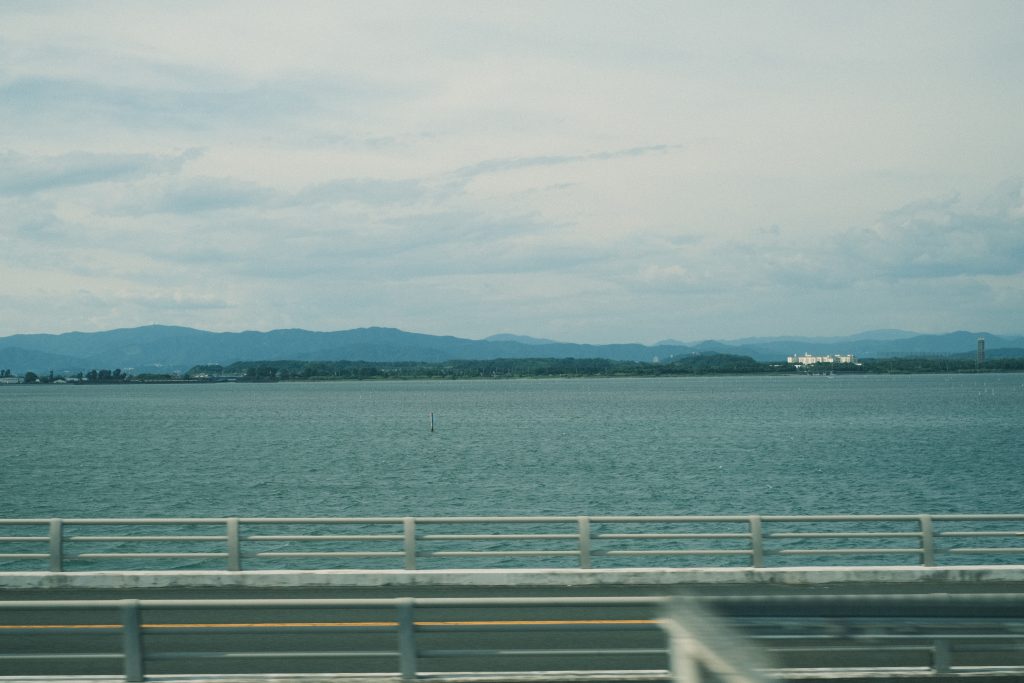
(808, 359)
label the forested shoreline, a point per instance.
(502, 368)
(704, 364)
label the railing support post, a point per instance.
(942, 656)
(56, 545)
(756, 542)
(409, 536)
(131, 641)
(234, 545)
(406, 639)
(927, 541)
(584, 527)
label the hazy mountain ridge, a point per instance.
(523, 339)
(168, 348)
(875, 335)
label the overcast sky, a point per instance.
(584, 171)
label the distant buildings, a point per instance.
(808, 359)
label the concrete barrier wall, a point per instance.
(497, 578)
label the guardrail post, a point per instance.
(406, 639)
(756, 542)
(409, 541)
(584, 525)
(942, 656)
(927, 541)
(131, 641)
(56, 545)
(234, 545)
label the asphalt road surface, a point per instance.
(600, 635)
(295, 640)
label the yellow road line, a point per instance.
(342, 624)
(32, 627)
(555, 622)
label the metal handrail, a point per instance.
(407, 651)
(758, 538)
(711, 635)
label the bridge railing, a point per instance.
(398, 636)
(857, 636)
(238, 543)
(743, 639)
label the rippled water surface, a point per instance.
(719, 445)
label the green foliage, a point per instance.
(718, 363)
(695, 364)
(918, 365)
(1004, 364)
(269, 371)
(106, 376)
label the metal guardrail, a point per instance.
(858, 636)
(703, 639)
(139, 620)
(636, 541)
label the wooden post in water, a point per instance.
(431, 422)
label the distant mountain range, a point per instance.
(159, 348)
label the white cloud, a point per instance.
(600, 173)
(22, 175)
(197, 195)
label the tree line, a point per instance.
(698, 364)
(104, 376)
(262, 371)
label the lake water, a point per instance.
(716, 445)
